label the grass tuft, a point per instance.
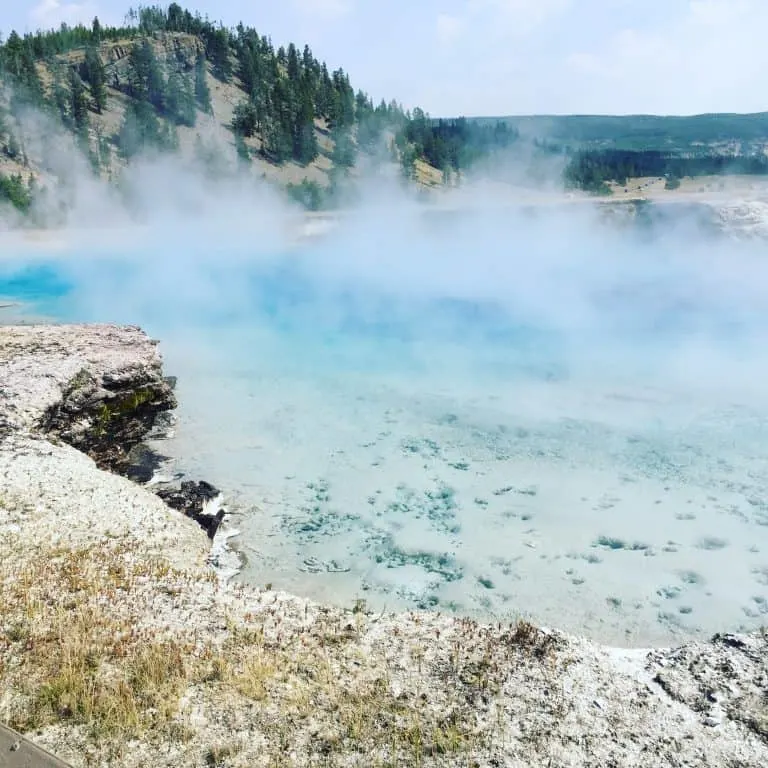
(83, 643)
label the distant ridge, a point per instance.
(643, 132)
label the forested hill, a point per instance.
(228, 100)
(172, 81)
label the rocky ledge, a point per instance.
(744, 220)
(119, 646)
(98, 388)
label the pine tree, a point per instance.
(244, 119)
(188, 115)
(146, 81)
(202, 92)
(14, 191)
(140, 129)
(408, 162)
(14, 55)
(78, 102)
(218, 52)
(243, 153)
(104, 150)
(13, 150)
(248, 67)
(343, 154)
(325, 96)
(94, 159)
(61, 98)
(277, 142)
(308, 62)
(292, 64)
(19, 63)
(93, 73)
(305, 148)
(168, 138)
(309, 193)
(341, 112)
(176, 18)
(180, 104)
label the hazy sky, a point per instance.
(496, 57)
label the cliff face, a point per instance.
(99, 389)
(172, 49)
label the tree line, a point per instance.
(592, 170)
(290, 101)
(451, 145)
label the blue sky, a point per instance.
(494, 57)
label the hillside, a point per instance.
(87, 102)
(174, 83)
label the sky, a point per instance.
(504, 57)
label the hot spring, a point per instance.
(495, 415)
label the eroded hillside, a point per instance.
(97, 98)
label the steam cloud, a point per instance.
(548, 290)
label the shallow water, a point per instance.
(588, 452)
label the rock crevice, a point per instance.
(106, 418)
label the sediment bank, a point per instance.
(119, 645)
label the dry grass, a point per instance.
(75, 651)
(82, 644)
(323, 697)
(427, 175)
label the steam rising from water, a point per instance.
(484, 408)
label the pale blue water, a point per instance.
(585, 444)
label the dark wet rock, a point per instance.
(730, 641)
(142, 463)
(193, 499)
(107, 417)
(163, 426)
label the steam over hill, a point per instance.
(87, 102)
(225, 99)
(171, 82)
